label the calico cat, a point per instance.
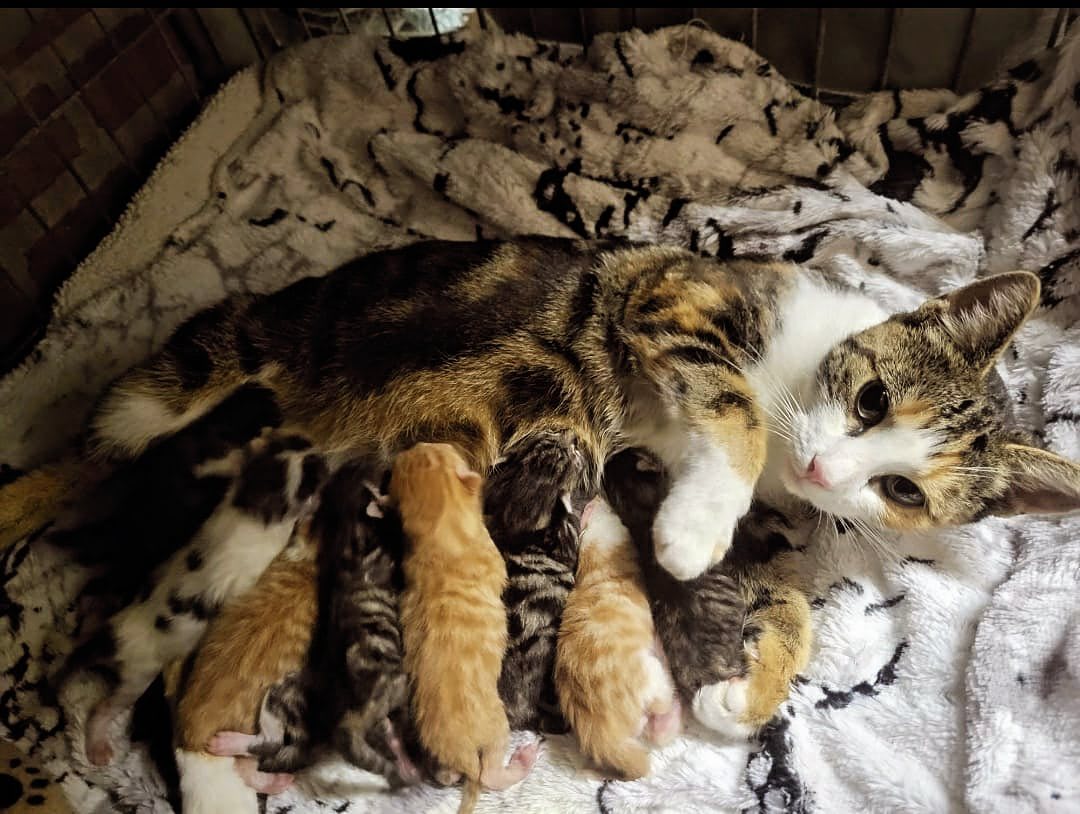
(247, 649)
(700, 623)
(352, 694)
(273, 479)
(612, 682)
(540, 568)
(453, 621)
(740, 375)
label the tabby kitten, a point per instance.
(738, 374)
(540, 568)
(272, 480)
(700, 622)
(352, 694)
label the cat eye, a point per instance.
(872, 403)
(900, 490)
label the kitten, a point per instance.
(453, 620)
(540, 568)
(146, 509)
(352, 693)
(612, 682)
(699, 622)
(253, 644)
(272, 481)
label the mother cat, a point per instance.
(740, 375)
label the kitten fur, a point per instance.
(612, 682)
(272, 481)
(699, 622)
(352, 695)
(540, 568)
(146, 509)
(453, 620)
(253, 644)
(726, 369)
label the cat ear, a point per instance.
(983, 316)
(471, 479)
(1041, 482)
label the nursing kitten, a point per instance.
(742, 376)
(146, 509)
(352, 694)
(700, 623)
(252, 645)
(613, 685)
(540, 568)
(272, 481)
(453, 620)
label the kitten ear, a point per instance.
(1041, 483)
(471, 479)
(983, 316)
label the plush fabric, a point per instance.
(930, 688)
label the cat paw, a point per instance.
(722, 707)
(262, 782)
(524, 488)
(694, 528)
(230, 744)
(99, 752)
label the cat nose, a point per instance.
(815, 473)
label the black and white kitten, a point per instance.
(270, 481)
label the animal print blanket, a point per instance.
(945, 666)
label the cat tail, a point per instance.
(470, 795)
(211, 784)
(628, 756)
(35, 498)
(208, 357)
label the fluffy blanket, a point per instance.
(943, 676)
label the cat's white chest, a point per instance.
(812, 318)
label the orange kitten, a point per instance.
(453, 620)
(613, 685)
(252, 645)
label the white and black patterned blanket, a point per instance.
(943, 677)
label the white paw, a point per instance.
(692, 532)
(720, 707)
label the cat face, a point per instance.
(907, 426)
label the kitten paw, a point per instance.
(230, 744)
(722, 706)
(662, 728)
(99, 752)
(262, 782)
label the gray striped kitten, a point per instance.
(353, 695)
(540, 567)
(700, 621)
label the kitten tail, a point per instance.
(211, 785)
(469, 796)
